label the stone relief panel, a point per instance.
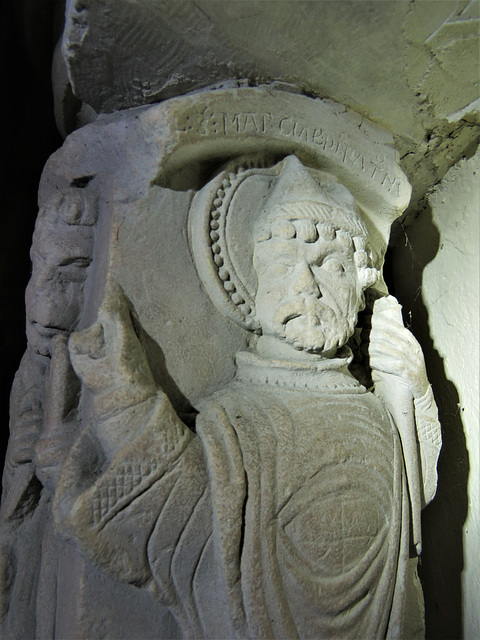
(43, 411)
(233, 425)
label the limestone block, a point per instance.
(211, 459)
(412, 68)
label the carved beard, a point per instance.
(308, 324)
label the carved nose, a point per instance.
(305, 282)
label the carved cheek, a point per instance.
(274, 277)
(54, 298)
(353, 296)
(267, 301)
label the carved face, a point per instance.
(61, 252)
(309, 289)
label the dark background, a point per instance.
(28, 33)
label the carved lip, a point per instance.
(291, 316)
(297, 307)
(48, 330)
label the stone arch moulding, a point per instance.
(170, 143)
(209, 125)
(325, 134)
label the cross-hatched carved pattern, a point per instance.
(429, 431)
(120, 487)
(171, 437)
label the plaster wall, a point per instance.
(440, 292)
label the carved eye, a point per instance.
(280, 269)
(75, 262)
(334, 266)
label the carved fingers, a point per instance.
(60, 414)
(87, 354)
(108, 356)
(393, 349)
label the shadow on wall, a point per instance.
(441, 563)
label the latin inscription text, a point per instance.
(250, 122)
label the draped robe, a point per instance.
(285, 515)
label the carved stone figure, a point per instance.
(221, 427)
(43, 394)
(286, 513)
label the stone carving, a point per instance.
(277, 503)
(44, 416)
(286, 514)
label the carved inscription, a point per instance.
(207, 123)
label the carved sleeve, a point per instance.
(430, 442)
(111, 509)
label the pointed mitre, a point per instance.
(296, 183)
(297, 193)
(224, 215)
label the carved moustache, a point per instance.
(303, 305)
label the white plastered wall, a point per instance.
(436, 274)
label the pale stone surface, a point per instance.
(411, 67)
(375, 86)
(230, 528)
(459, 254)
(440, 258)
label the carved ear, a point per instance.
(368, 276)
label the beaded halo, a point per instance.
(222, 243)
(223, 217)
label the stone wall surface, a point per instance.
(436, 272)
(410, 67)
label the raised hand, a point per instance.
(393, 348)
(60, 415)
(109, 358)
